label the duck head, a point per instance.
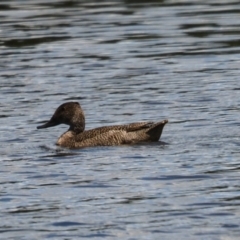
(69, 113)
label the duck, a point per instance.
(71, 113)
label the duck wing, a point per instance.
(100, 130)
(120, 134)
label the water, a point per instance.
(124, 61)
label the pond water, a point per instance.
(124, 61)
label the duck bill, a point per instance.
(48, 124)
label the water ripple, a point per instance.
(124, 61)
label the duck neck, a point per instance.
(77, 128)
(77, 124)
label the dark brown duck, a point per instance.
(71, 113)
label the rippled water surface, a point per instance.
(124, 61)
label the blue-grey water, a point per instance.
(124, 61)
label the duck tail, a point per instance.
(156, 129)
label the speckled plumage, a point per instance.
(71, 113)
